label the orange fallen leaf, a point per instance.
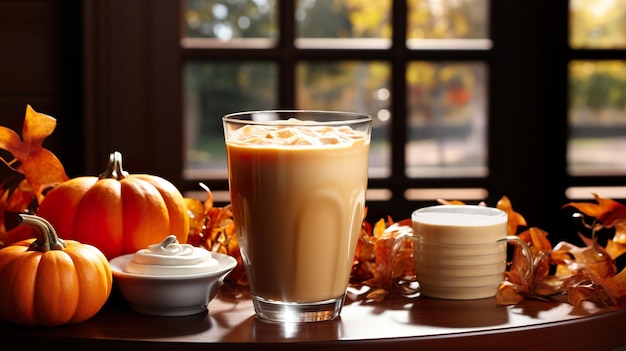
(34, 168)
(515, 220)
(40, 167)
(607, 211)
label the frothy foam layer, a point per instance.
(300, 135)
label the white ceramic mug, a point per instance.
(459, 251)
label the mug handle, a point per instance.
(409, 285)
(530, 272)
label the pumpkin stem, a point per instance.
(114, 167)
(48, 240)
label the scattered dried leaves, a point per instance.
(586, 273)
(213, 228)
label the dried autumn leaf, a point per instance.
(615, 249)
(515, 219)
(374, 266)
(509, 294)
(213, 228)
(617, 284)
(20, 197)
(592, 259)
(517, 273)
(40, 167)
(195, 209)
(34, 168)
(607, 211)
(620, 233)
(602, 291)
(402, 263)
(364, 254)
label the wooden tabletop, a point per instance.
(398, 323)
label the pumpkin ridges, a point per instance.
(175, 203)
(102, 225)
(56, 289)
(87, 260)
(61, 204)
(17, 296)
(145, 218)
(12, 252)
(98, 218)
(42, 279)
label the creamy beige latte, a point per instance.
(298, 196)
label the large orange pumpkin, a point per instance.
(48, 281)
(117, 212)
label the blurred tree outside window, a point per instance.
(212, 90)
(597, 24)
(597, 89)
(597, 117)
(334, 19)
(351, 86)
(448, 24)
(447, 124)
(230, 19)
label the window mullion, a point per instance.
(287, 51)
(398, 102)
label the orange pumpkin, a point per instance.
(117, 212)
(49, 282)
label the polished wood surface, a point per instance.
(399, 323)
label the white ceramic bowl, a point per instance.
(173, 295)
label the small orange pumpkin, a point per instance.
(117, 212)
(49, 282)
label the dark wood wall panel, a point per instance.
(40, 65)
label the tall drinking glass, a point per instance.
(297, 186)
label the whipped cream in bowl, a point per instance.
(172, 258)
(170, 278)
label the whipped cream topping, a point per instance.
(172, 258)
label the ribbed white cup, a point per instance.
(459, 250)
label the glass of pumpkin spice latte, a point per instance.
(297, 183)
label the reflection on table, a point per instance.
(397, 322)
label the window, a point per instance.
(597, 89)
(473, 99)
(341, 58)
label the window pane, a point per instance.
(440, 23)
(213, 89)
(357, 86)
(597, 118)
(597, 24)
(447, 121)
(365, 23)
(230, 19)
(343, 19)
